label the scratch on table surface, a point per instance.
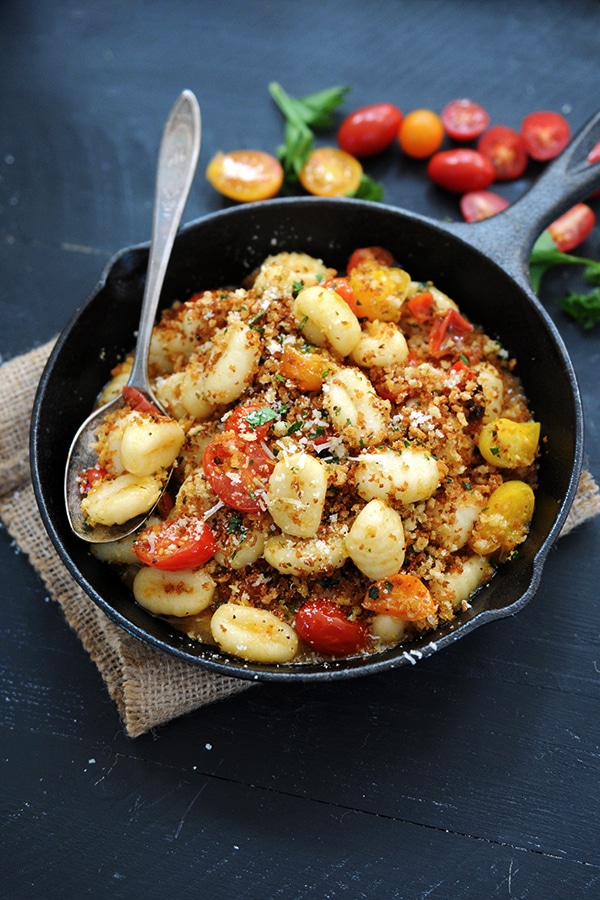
(187, 810)
(81, 248)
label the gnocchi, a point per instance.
(339, 488)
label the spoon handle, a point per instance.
(177, 160)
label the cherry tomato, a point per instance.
(570, 229)
(505, 148)
(369, 254)
(448, 332)
(245, 175)
(421, 133)
(322, 624)
(88, 478)
(478, 205)
(464, 119)
(254, 420)
(370, 129)
(138, 401)
(401, 596)
(461, 170)
(330, 172)
(422, 306)
(342, 286)
(592, 157)
(305, 368)
(237, 471)
(545, 134)
(183, 542)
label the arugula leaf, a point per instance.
(368, 189)
(302, 115)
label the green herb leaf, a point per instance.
(546, 254)
(584, 308)
(258, 417)
(368, 189)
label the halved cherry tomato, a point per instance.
(448, 332)
(305, 369)
(330, 172)
(592, 157)
(545, 134)
(464, 119)
(370, 254)
(401, 596)
(462, 368)
(252, 420)
(570, 229)
(422, 306)
(505, 149)
(421, 133)
(245, 175)
(183, 542)
(342, 286)
(370, 129)
(88, 478)
(138, 401)
(461, 170)
(237, 471)
(478, 205)
(322, 624)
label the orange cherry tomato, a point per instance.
(570, 229)
(306, 370)
(421, 133)
(401, 596)
(245, 175)
(331, 172)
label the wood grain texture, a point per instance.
(473, 774)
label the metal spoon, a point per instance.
(177, 160)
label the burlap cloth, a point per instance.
(148, 687)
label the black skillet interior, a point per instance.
(220, 250)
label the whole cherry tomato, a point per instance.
(323, 625)
(330, 172)
(461, 170)
(545, 134)
(245, 175)
(478, 205)
(370, 129)
(183, 542)
(570, 229)
(464, 119)
(421, 133)
(505, 148)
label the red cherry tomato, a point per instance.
(180, 543)
(448, 332)
(422, 306)
(369, 254)
(592, 157)
(237, 471)
(138, 401)
(505, 148)
(461, 170)
(89, 477)
(478, 205)
(253, 420)
(322, 624)
(570, 229)
(370, 129)
(464, 120)
(545, 134)
(342, 286)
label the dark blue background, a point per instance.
(475, 773)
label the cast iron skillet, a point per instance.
(484, 267)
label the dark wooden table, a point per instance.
(472, 774)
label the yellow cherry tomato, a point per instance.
(330, 172)
(245, 175)
(509, 444)
(504, 523)
(379, 291)
(421, 133)
(400, 596)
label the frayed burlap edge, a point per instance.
(149, 687)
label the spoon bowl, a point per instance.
(177, 161)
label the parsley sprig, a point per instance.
(584, 308)
(304, 115)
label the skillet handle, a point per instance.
(508, 237)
